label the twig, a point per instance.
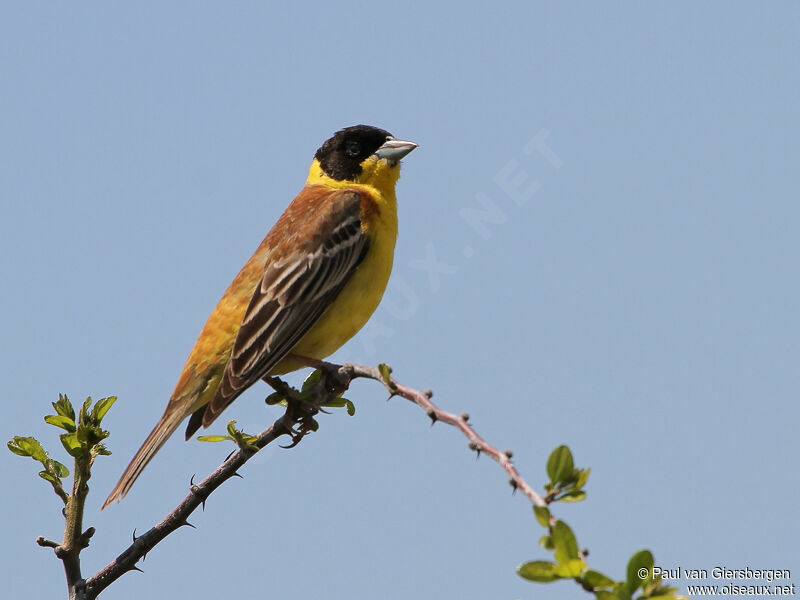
(179, 516)
(75, 539)
(337, 378)
(460, 422)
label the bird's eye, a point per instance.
(353, 149)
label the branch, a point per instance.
(83, 440)
(179, 516)
(75, 539)
(460, 422)
(336, 379)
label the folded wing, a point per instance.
(300, 282)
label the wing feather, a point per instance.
(294, 292)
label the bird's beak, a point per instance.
(393, 150)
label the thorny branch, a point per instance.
(460, 422)
(293, 422)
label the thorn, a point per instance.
(465, 416)
(428, 393)
(236, 474)
(84, 538)
(135, 568)
(203, 504)
(509, 454)
(134, 535)
(432, 415)
(191, 480)
(187, 524)
(513, 483)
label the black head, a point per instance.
(341, 156)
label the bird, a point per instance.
(311, 285)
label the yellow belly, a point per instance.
(356, 302)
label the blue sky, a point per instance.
(632, 293)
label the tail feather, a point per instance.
(164, 428)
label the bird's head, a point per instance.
(360, 154)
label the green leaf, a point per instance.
(597, 580)
(101, 449)
(560, 466)
(61, 421)
(386, 372)
(83, 416)
(64, 407)
(565, 543)
(335, 403)
(340, 402)
(71, 443)
(571, 568)
(28, 446)
(215, 438)
(14, 446)
(59, 469)
(274, 398)
(583, 477)
(89, 434)
(572, 496)
(101, 408)
(542, 515)
(642, 560)
(538, 570)
(49, 477)
(56, 483)
(240, 438)
(546, 542)
(311, 381)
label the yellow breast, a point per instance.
(363, 292)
